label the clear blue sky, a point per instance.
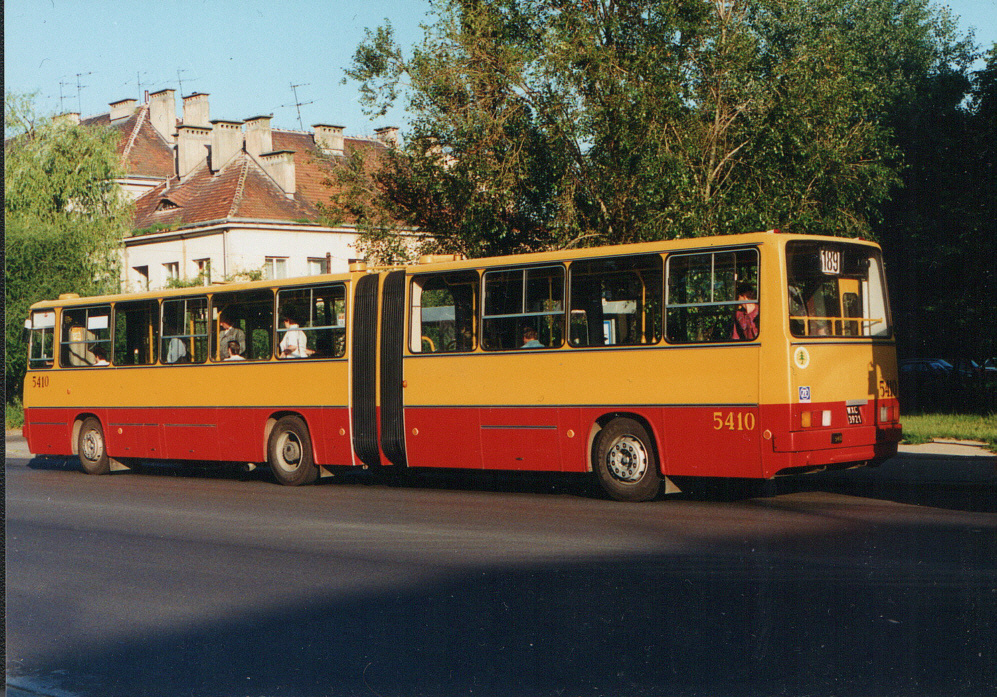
(246, 54)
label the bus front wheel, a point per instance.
(289, 452)
(92, 448)
(624, 461)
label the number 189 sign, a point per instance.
(830, 261)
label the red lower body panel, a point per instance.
(704, 441)
(226, 434)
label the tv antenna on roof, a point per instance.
(298, 104)
(180, 80)
(79, 91)
(138, 80)
(62, 108)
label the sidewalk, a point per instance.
(949, 449)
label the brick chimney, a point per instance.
(195, 110)
(226, 141)
(259, 139)
(280, 166)
(163, 114)
(192, 148)
(122, 109)
(329, 139)
(72, 118)
(388, 135)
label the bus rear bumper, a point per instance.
(801, 451)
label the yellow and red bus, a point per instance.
(745, 356)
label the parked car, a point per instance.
(925, 367)
(966, 367)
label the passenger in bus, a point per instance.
(176, 351)
(229, 334)
(295, 343)
(99, 356)
(530, 338)
(746, 318)
(234, 351)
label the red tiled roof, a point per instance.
(143, 151)
(240, 190)
(311, 167)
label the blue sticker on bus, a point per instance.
(805, 394)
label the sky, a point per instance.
(80, 55)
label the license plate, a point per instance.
(854, 415)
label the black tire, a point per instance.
(624, 462)
(92, 447)
(289, 453)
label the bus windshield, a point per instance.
(836, 289)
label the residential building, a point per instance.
(216, 198)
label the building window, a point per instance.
(142, 273)
(204, 271)
(275, 268)
(172, 271)
(316, 266)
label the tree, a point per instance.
(939, 233)
(540, 124)
(64, 215)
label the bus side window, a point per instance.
(320, 314)
(136, 330)
(616, 301)
(444, 307)
(524, 308)
(245, 318)
(702, 294)
(86, 336)
(185, 330)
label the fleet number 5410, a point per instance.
(734, 421)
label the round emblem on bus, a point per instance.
(801, 357)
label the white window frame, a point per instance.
(204, 270)
(272, 265)
(171, 270)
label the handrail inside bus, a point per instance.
(835, 318)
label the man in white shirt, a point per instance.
(295, 343)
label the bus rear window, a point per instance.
(836, 290)
(42, 352)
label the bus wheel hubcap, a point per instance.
(627, 459)
(290, 452)
(92, 446)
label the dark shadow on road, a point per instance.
(657, 625)
(963, 484)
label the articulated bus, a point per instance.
(746, 356)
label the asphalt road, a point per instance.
(210, 583)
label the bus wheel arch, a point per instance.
(90, 445)
(625, 458)
(289, 449)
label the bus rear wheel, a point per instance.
(624, 461)
(92, 448)
(289, 452)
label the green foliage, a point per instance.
(14, 415)
(922, 428)
(939, 233)
(64, 217)
(540, 124)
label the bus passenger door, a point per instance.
(392, 379)
(363, 371)
(376, 369)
